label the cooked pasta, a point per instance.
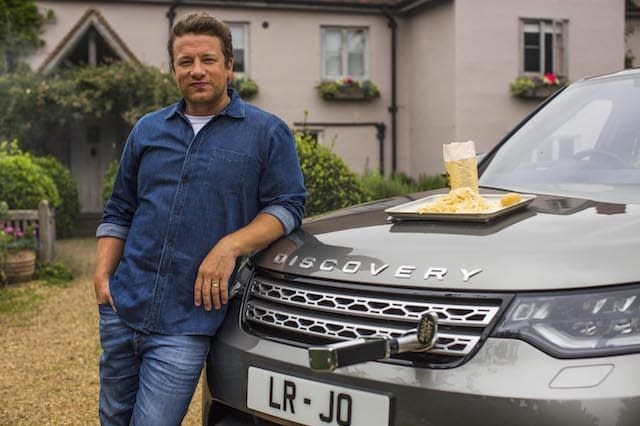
(461, 200)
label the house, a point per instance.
(443, 67)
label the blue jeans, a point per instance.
(146, 379)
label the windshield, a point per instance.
(585, 143)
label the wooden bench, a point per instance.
(44, 217)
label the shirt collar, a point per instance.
(235, 108)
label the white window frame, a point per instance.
(244, 27)
(344, 52)
(558, 29)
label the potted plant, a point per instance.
(18, 253)
(348, 89)
(536, 87)
(246, 87)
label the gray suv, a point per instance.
(532, 317)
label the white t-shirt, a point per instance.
(198, 121)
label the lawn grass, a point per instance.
(18, 301)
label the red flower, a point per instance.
(550, 78)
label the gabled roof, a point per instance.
(91, 18)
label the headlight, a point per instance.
(577, 324)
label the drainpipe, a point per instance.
(380, 133)
(171, 13)
(393, 108)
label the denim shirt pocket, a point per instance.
(226, 171)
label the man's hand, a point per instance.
(108, 256)
(103, 294)
(212, 283)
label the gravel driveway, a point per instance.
(49, 355)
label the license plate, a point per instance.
(313, 403)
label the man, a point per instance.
(201, 183)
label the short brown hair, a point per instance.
(202, 23)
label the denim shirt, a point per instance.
(176, 195)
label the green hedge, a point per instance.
(68, 212)
(329, 182)
(23, 183)
(378, 186)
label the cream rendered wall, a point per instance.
(427, 88)
(284, 60)
(488, 52)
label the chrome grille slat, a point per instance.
(322, 326)
(329, 300)
(305, 310)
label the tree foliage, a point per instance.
(32, 105)
(20, 27)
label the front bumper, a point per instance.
(506, 382)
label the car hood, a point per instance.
(554, 243)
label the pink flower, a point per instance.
(550, 78)
(8, 230)
(19, 233)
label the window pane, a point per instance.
(355, 53)
(532, 51)
(333, 65)
(532, 60)
(331, 45)
(332, 41)
(558, 51)
(238, 60)
(532, 39)
(548, 52)
(239, 39)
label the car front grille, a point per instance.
(304, 312)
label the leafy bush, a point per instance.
(56, 273)
(109, 180)
(246, 87)
(429, 182)
(68, 212)
(23, 183)
(329, 182)
(33, 104)
(378, 187)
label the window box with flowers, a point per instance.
(17, 253)
(537, 87)
(246, 87)
(348, 89)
